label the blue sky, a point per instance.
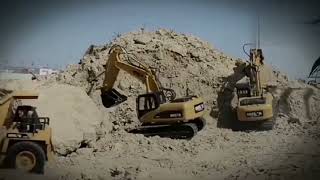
(58, 33)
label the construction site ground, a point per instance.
(91, 142)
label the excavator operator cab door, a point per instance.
(146, 103)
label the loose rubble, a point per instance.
(75, 119)
(189, 66)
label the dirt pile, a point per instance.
(183, 62)
(75, 119)
(192, 59)
(186, 63)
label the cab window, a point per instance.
(147, 103)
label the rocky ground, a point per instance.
(91, 142)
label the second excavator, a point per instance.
(256, 105)
(158, 110)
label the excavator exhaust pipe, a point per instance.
(112, 98)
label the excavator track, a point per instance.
(177, 131)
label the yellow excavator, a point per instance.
(25, 138)
(158, 110)
(255, 107)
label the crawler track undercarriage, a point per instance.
(174, 131)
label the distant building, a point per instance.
(46, 71)
(11, 72)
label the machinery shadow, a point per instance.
(226, 113)
(306, 97)
(284, 101)
(284, 105)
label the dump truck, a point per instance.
(25, 138)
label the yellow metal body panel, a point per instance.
(141, 72)
(186, 108)
(5, 113)
(42, 136)
(266, 108)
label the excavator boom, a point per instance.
(110, 96)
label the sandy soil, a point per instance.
(290, 151)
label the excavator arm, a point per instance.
(119, 60)
(114, 65)
(159, 112)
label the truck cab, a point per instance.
(25, 138)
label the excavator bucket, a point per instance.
(112, 98)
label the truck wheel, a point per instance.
(26, 156)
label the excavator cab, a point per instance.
(149, 102)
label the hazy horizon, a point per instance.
(58, 33)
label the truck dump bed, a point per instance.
(3, 93)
